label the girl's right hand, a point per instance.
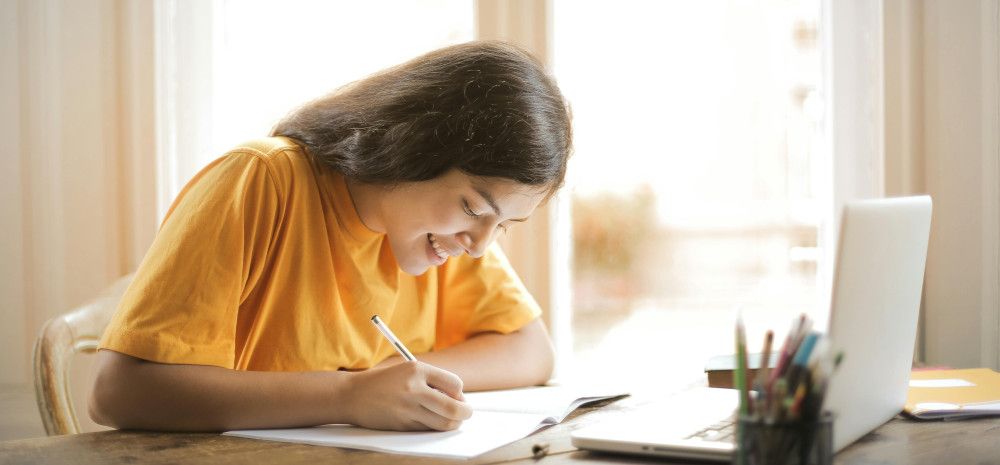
(407, 396)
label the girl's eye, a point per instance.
(469, 211)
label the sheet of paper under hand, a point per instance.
(498, 418)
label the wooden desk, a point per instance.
(899, 441)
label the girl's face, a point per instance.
(427, 222)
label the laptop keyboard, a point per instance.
(722, 431)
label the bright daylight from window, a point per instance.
(694, 183)
(330, 47)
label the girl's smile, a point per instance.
(437, 254)
(428, 222)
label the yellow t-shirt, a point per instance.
(262, 263)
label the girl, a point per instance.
(252, 307)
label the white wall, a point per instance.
(941, 120)
(13, 366)
(912, 89)
(960, 107)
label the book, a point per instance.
(950, 394)
(498, 418)
(720, 368)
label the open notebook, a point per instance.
(498, 418)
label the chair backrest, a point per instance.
(63, 336)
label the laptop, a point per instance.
(875, 302)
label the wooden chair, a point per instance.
(61, 338)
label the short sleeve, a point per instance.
(183, 304)
(481, 295)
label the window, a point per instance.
(268, 57)
(313, 47)
(694, 181)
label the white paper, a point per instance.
(939, 383)
(985, 407)
(553, 402)
(483, 432)
(936, 407)
(498, 418)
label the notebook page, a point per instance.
(553, 402)
(485, 431)
(498, 418)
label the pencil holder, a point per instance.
(762, 442)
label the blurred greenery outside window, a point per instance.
(694, 180)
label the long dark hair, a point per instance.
(486, 108)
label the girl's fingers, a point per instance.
(446, 382)
(444, 406)
(435, 421)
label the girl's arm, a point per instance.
(137, 394)
(496, 361)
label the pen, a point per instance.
(780, 391)
(741, 367)
(786, 347)
(800, 360)
(392, 339)
(762, 374)
(797, 399)
(741, 382)
(540, 450)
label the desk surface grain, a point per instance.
(900, 441)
